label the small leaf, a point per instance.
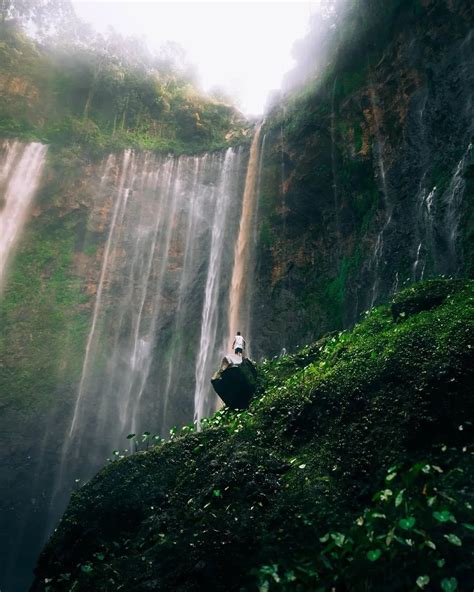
(444, 516)
(440, 563)
(430, 544)
(130, 436)
(407, 523)
(87, 568)
(374, 554)
(399, 498)
(216, 493)
(389, 537)
(338, 538)
(449, 584)
(453, 539)
(301, 466)
(325, 538)
(290, 576)
(468, 526)
(378, 515)
(422, 581)
(390, 477)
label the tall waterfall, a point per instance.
(209, 321)
(239, 308)
(20, 173)
(160, 309)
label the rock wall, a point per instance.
(367, 180)
(365, 184)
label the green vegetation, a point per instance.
(351, 470)
(107, 93)
(43, 318)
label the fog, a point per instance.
(242, 48)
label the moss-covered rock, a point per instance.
(422, 297)
(352, 470)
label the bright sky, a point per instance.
(242, 47)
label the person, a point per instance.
(239, 344)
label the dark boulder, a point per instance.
(235, 382)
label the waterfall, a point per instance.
(239, 309)
(333, 157)
(379, 156)
(452, 200)
(439, 215)
(160, 308)
(20, 173)
(209, 313)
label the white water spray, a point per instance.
(20, 174)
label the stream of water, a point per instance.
(21, 166)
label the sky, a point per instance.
(243, 48)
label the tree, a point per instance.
(43, 16)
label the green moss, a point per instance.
(288, 495)
(42, 319)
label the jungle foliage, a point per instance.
(70, 85)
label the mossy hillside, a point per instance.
(351, 471)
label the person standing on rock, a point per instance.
(239, 344)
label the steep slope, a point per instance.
(352, 470)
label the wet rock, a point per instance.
(235, 382)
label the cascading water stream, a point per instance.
(239, 291)
(439, 218)
(209, 312)
(379, 155)
(452, 200)
(333, 157)
(161, 301)
(20, 174)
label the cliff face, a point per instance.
(102, 320)
(365, 183)
(367, 179)
(352, 469)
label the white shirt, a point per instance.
(239, 342)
